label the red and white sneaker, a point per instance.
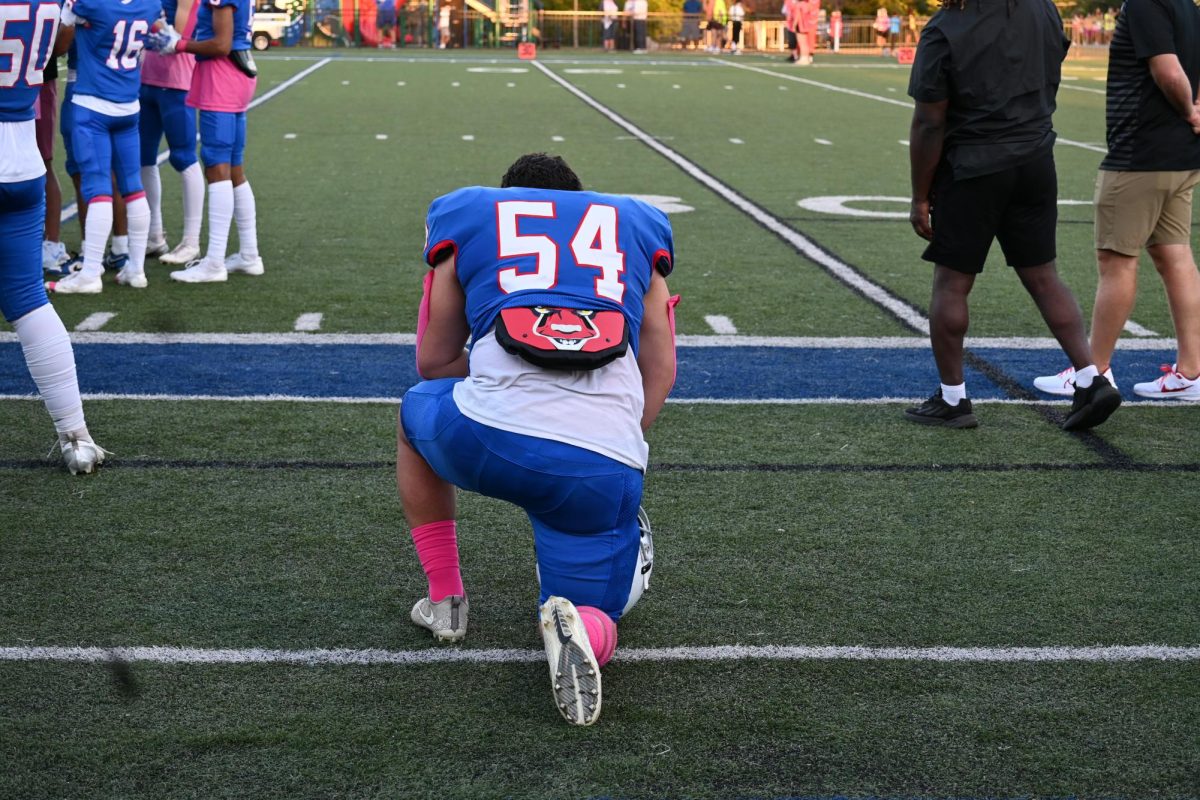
(1064, 382)
(1171, 386)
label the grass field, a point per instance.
(844, 605)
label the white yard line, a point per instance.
(868, 96)
(682, 401)
(438, 655)
(309, 322)
(826, 260)
(95, 321)
(71, 210)
(1137, 330)
(721, 324)
(683, 340)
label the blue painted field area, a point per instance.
(722, 373)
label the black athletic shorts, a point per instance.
(1017, 206)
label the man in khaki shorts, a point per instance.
(1144, 190)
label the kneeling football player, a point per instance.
(563, 296)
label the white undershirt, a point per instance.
(20, 159)
(599, 410)
(101, 106)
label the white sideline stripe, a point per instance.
(683, 340)
(96, 321)
(375, 657)
(806, 246)
(309, 322)
(1082, 88)
(867, 95)
(1137, 330)
(682, 401)
(720, 324)
(70, 211)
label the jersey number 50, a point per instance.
(14, 51)
(593, 245)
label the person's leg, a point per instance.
(179, 125)
(150, 131)
(246, 260)
(45, 343)
(93, 154)
(1116, 293)
(949, 318)
(1058, 308)
(217, 140)
(127, 167)
(1177, 268)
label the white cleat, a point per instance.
(54, 255)
(201, 271)
(76, 283)
(237, 263)
(157, 247)
(1171, 386)
(80, 453)
(182, 254)
(1064, 382)
(574, 671)
(446, 619)
(127, 277)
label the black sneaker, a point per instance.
(1092, 405)
(936, 411)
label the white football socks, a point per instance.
(220, 214)
(953, 395)
(1084, 377)
(51, 363)
(98, 227)
(152, 183)
(138, 213)
(247, 221)
(193, 203)
(120, 245)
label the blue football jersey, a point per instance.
(526, 247)
(27, 31)
(109, 38)
(243, 21)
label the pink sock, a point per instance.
(437, 548)
(601, 631)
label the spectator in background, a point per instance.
(881, 25)
(835, 29)
(894, 31)
(912, 31)
(444, 26)
(1108, 24)
(811, 11)
(737, 15)
(692, 9)
(788, 34)
(641, 14)
(718, 19)
(1077, 25)
(1145, 187)
(609, 7)
(795, 24)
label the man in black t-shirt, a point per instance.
(1144, 190)
(985, 81)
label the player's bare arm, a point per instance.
(220, 44)
(440, 347)
(182, 12)
(926, 136)
(656, 349)
(1173, 81)
(66, 33)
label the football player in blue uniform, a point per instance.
(222, 87)
(109, 39)
(29, 28)
(563, 296)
